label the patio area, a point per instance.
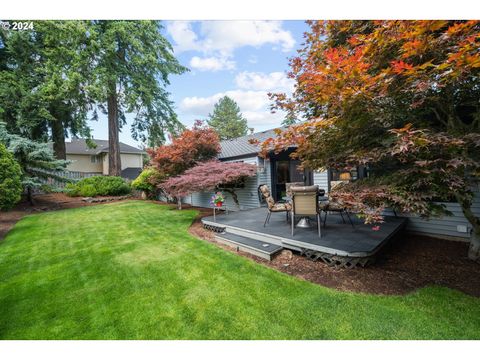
(340, 245)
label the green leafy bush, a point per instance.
(10, 180)
(98, 186)
(147, 181)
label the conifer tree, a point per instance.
(227, 119)
(37, 160)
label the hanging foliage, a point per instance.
(400, 98)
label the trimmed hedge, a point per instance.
(98, 186)
(10, 179)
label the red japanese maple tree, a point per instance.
(398, 97)
(201, 143)
(209, 175)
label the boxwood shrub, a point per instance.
(98, 186)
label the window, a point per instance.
(95, 159)
(341, 176)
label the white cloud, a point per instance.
(225, 36)
(264, 120)
(212, 63)
(247, 100)
(185, 38)
(254, 106)
(277, 81)
(219, 39)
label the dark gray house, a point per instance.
(280, 169)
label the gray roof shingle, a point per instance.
(241, 146)
(79, 146)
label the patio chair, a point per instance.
(288, 187)
(272, 206)
(335, 206)
(305, 203)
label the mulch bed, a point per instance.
(406, 264)
(409, 262)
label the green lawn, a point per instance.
(131, 271)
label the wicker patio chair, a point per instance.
(272, 206)
(305, 203)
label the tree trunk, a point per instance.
(474, 249)
(114, 164)
(179, 203)
(58, 137)
(30, 196)
(234, 197)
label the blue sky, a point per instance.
(242, 59)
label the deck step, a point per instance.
(259, 248)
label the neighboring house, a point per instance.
(95, 160)
(279, 169)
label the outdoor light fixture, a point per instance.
(345, 176)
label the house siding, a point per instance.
(83, 163)
(247, 196)
(126, 160)
(446, 226)
(320, 178)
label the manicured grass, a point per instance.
(131, 271)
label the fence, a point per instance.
(70, 175)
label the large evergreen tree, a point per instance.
(132, 64)
(227, 119)
(44, 75)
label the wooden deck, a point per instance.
(338, 239)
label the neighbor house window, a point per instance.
(95, 159)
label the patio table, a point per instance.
(304, 221)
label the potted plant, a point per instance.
(217, 199)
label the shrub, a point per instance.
(10, 180)
(147, 181)
(98, 186)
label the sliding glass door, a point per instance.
(286, 170)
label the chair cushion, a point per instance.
(265, 191)
(271, 204)
(304, 189)
(331, 206)
(277, 207)
(288, 187)
(335, 206)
